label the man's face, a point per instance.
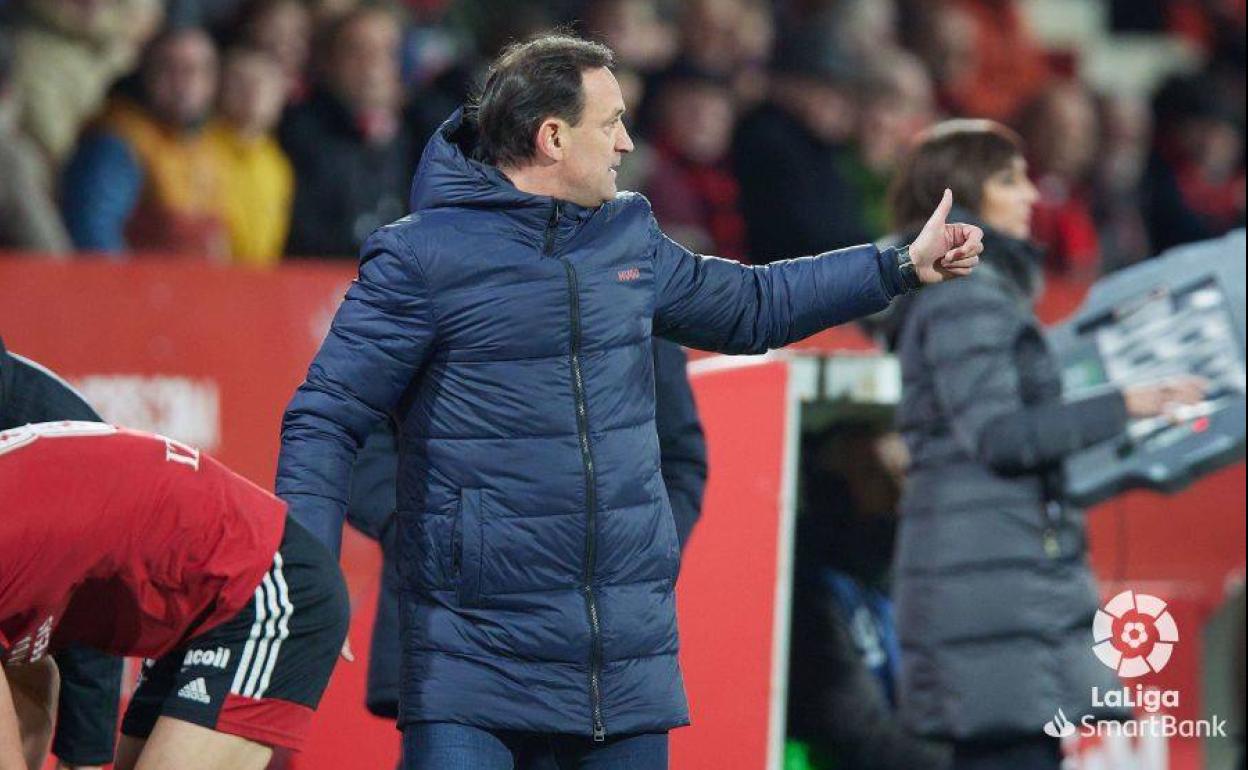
(1072, 117)
(595, 146)
(830, 111)
(181, 78)
(698, 118)
(253, 91)
(364, 63)
(285, 32)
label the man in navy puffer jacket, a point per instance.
(505, 325)
(371, 507)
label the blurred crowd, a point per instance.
(252, 131)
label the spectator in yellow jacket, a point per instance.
(258, 181)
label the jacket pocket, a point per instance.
(466, 553)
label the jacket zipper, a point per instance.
(1053, 515)
(591, 502)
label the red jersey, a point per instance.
(123, 541)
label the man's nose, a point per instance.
(624, 142)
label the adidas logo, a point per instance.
(196, 690)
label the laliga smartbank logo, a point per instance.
(1060, 726)
(1134, 634)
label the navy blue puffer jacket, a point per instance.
(509, 335)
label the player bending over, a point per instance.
(135, 544)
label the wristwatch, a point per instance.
(909, 273)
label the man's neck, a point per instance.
(534, 179)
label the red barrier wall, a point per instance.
(211, 355)
(161, 345)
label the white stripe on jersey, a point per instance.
(270, 630)
(250, 648)
(283, 623)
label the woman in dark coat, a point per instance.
(994, 594)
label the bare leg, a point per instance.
(178, 745)
(32, 690)
(128, 750)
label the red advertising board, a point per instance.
(210, 355)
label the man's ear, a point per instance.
(551, 138)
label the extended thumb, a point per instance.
(942, 210)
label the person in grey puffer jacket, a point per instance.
(506, 326)
(994, 594)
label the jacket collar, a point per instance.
(448, 176)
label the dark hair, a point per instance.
(958, 154)
(528, 83)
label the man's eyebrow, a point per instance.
(616, 115)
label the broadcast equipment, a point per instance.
(1181, 313)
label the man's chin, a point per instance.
(590, 200)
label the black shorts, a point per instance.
(261, 674)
